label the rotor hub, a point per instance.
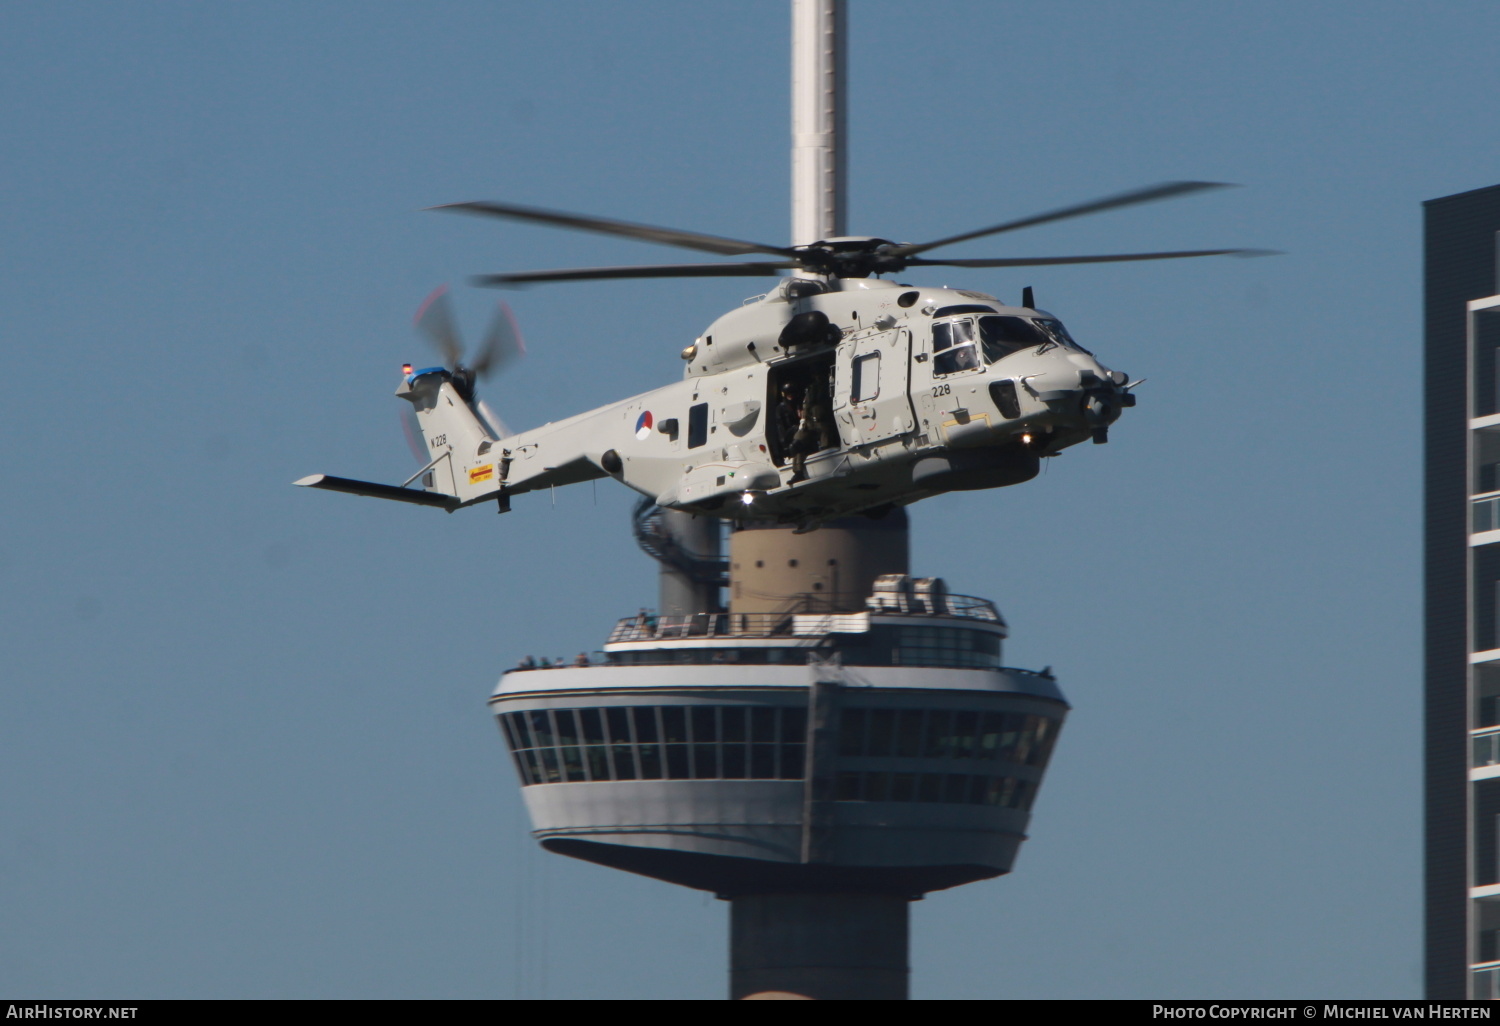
(854, 256)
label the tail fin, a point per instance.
(457, 438)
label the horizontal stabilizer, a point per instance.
(380, 491)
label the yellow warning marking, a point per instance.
(972, 420)
(483, 473)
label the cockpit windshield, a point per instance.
(1000, 336)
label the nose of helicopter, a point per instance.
(1102, 398)
(1083, 391)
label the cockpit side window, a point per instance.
(953, 347)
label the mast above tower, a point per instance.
(818, 124)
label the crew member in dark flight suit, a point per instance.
(810, 434)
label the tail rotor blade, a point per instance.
(435, 320)
(502, 343)
(413, 431)
(492, 421)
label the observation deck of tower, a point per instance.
(933, 750)
(840, 740)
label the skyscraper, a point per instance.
(1462, 594)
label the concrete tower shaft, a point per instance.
(691, 574)
(832, 569)
(784, 942)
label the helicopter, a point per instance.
(837, 392)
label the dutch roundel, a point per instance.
(643, 426)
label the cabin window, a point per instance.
(953, 347)
(697, 425)
(864, 383)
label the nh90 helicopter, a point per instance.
(835, 393)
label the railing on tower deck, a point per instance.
(789, 623)
(967, 607)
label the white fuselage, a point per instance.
(907, 392)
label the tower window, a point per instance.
(658, 742)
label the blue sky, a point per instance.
(246, 752)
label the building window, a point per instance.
(1488, 713)
(937, 788)
(1489, 949)
(944, 646)
(1485, 561)
(1486, 477)
(657, 743)
(1485, 515)
(1486, 832)
(947, 734)
(1487, 753)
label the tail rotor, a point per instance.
(501, 347)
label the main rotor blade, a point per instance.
(502, 343)
(435, 320)
(746, 270)
(1150, 194)
(1108, 258)
(646, 232)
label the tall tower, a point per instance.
(1462, 555)
(831, 743)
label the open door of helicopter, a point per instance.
(799, 401)
(872, 400)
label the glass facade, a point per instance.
(1461, 382)
(952, 756)
(949, 788)
(644, 742)
(947, 734)
(1487, 749)
(714, 656)
(1485, 515)
(939, 646)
